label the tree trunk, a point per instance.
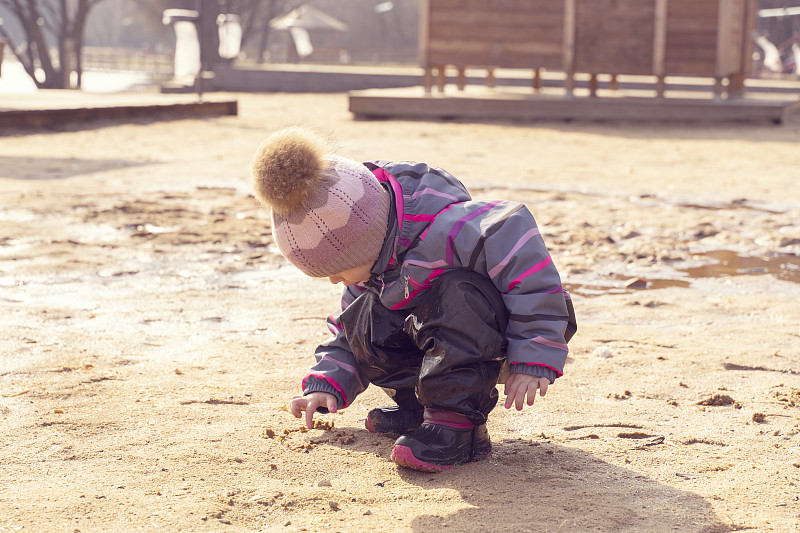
(58, 23)
(39, 51)
(79, 22)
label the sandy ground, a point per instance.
(151, 336)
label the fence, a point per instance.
(159, 65)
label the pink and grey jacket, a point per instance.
(435, 226)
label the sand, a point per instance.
(152, 336)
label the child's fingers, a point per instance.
(532, 392)
(310, 409)
(520, 400)
(510, 393)
(543, 384)
(332, 404)
(295, 408)
(519, 397)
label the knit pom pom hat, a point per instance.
(329, 214)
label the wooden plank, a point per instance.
(470, 15)
(689, 68)
(494, 48)
(483, 18)
(691, 9)
(494, 34)
(499, 5)
(615, 36)
(707, 50)
(731, 28)
(687, 39)
(569, 45)
(725, 13)
(506, 61)
(393, 104)
(424, 34)
(45, 118)
(692, 37)
(750, 21)
(660, 37)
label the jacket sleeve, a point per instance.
(336, 371)
(504, 243)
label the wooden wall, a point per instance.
(691, 37)
(647, 37)
(614, 36)
(495, 33)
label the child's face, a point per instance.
(352, 276)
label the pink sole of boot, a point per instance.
(402, 456)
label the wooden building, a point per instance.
(710, 38)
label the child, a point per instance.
(441, 294)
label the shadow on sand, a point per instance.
(542, 486)
(50, 168)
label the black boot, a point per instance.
(393, 420)
(436, 447)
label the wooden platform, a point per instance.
(518, 104)
(53, 108)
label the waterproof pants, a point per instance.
(446, 353)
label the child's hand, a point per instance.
(518, 385)
(309, 404)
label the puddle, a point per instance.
(728, 263)
(723, 263)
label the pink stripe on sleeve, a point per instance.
(532, 270)
(422, 286)
(422, 237)
(525, 238)
(552, 344)
(350, 368)
(419, 218)
(433, 192)
(456, 229)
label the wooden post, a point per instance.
(661, 86)
(490, 77)
(537, 79)
(718, 88)
(569, 45)
(736, 87)
(461, 79)
(427, 80)
(660, 45)
(613, 84)
(593, 85)
(424, 44)
(441, 78)
(722, 61)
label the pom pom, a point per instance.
(288, 166)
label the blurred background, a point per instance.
(110, 45)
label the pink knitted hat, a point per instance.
(329, 214)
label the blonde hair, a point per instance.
(288, 166)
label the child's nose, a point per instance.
(334, 279)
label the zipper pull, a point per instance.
(383, 285)
(405, 278)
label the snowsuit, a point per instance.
(460, 288)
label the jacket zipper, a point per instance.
(383, 284)
(405, 279)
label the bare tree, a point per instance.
(47, 24)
